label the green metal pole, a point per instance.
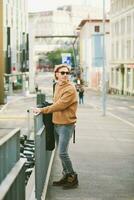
(1, 55)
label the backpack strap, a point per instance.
(74, 136)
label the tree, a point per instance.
(54, 57)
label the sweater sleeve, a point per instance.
(68, 97)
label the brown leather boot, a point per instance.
(61, 182)
(72, 181)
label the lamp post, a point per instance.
(31, 58)
(104, 70)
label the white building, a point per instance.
(49, 23)
(60, 22)
(91, 50)
(13, 38)
(15, 34)
(122, 46)
(80, 12)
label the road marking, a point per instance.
(123, 120)
(110, 108)
(131, 106)
(121, 108)
(115, 116)
(13, 117)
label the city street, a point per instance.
(102, 154)
(94, 42)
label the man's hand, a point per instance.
(36, 111)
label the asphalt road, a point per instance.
(120, 106)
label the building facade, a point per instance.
(91, 51)
(47, 24)
(80, 12)
(60, 22)
(122, 47)
(13, 38)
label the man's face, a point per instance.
(63, 74)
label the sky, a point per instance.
(42, 5)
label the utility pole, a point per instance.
(2, 64)
(31, 59)
(104, 63)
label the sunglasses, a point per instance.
(63, 73)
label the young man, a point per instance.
(64, 119)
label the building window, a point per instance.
(117, 50)
(128, 77)
(117, 77)
(133, 79)
(112, 52)
(133, 48)
(128, 24)
(112, 31)
(133, 21)
(122, 26)
(122, 49)
(128, 49)
(123, 3)
(6, 14)
(112, 76)
(117, 28)
(97, 28)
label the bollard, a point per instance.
(23, 84)
(10, 86)
(30, 122)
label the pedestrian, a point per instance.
(54, 84)
(81, 95)
(64, 118)
(36, 87)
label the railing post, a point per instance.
(10, 86)
(23, 83)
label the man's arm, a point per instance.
(65, 101)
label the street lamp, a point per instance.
(104, 70)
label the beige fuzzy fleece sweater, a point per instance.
(65, 104)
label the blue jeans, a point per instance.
(81, 100)
(63, 134)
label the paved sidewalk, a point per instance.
(103, 156)
(14, 114)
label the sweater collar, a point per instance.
(63, 83)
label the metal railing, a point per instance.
(13, 186)
(9, 152)
(16, 81)
(12, 170)
(42, 157)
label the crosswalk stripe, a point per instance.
(12, 117)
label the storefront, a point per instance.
(122, 79)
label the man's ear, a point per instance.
(56, 76)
